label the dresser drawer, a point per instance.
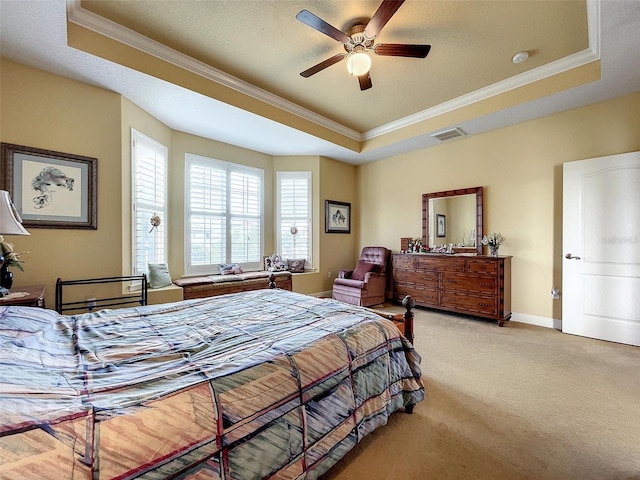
(422, 296)
(470, 304)
(427, 279)
(483, 266)
(470, 283)
(403, 262)
(440, 264)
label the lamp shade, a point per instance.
(358, 63)
(10, 221)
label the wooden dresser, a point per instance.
(471, 285)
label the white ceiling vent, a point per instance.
(449, 134)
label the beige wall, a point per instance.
(520, 168)
(49, 112)
(337, 182)
(332, 180)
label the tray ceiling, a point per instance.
(229, 69)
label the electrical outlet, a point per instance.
(91, 303)
(329, 274)
(555, 293)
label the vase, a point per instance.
(6, 277)
(493, 250)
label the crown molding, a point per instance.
(517, 81)
(540, 73)
(103, 26)
(119, 33)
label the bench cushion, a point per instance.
(240, 277)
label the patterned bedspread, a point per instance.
(260, 384)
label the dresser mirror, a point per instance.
(453, 217)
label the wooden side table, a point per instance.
(29, 296)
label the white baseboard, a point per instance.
(537, 320)
(515, 317)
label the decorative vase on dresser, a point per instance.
(468, 284)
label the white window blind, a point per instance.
(224, 215)
(294, 210)
(149, 196)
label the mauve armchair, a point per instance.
(365, 285)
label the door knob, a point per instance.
(568, 256)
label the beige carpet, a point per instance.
(519, 402)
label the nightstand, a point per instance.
(29, 296)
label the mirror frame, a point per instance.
(478, 191)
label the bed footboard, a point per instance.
(404, 321)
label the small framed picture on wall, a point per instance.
(337, 217)
(441, 225)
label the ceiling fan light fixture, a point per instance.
(358, 63)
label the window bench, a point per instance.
(200, 287)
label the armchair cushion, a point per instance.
(345, 273)
(376, 255)
(363, 268)
(349, 282)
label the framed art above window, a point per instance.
(337, 217)
(51, 189)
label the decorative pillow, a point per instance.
(296, 266)
(227, 269)
(159, 275)
(362, 268)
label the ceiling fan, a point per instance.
(359, 42)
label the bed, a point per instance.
(252, 385)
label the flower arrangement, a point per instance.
(11, 258)
(493, 240)
(416, 246)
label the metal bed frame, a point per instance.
(138, 297)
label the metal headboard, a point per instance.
(92, 302)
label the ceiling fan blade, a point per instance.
(322, 65)
(385, 11)
(315, 22)
(365, 81)
(402, 50)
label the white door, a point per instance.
(601, 248)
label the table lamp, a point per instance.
(10, 224)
